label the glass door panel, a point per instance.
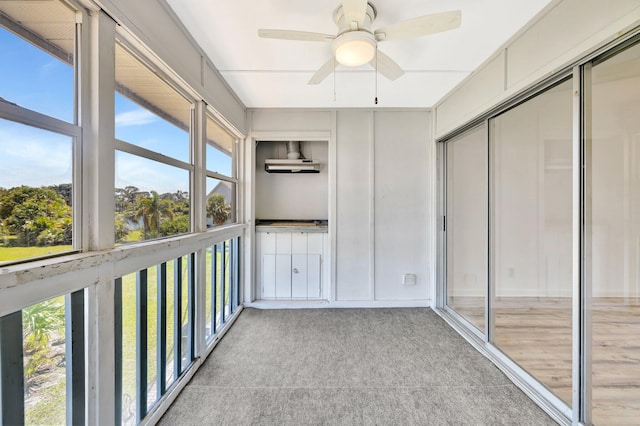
(467, 245)
(613, 238)
(531, 161)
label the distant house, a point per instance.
(223, 188)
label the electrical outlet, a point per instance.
(409, 279)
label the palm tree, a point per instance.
(148, 209)
(39, 323)
(218, 209)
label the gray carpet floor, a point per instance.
(349, 367)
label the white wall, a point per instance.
(561, 34)
(292, 195)
(382, 199)
(401, 188)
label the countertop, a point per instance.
(268, 225)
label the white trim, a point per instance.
(18, 114)
(372, 206)
(324, 304)
(133, 149)
(198, 178)
(330, 287)
(218, 176)
(19, 284)
(576, 245)
(248, 192)
(291, 135)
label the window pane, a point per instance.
(467, 245)
(613, 238)
(149, 112)
(44, 349)
(220, 146)
(152, 199)
(38, 74)
(531, 148)
(35, 192)
(220, 202)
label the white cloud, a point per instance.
(136, 117)
(149, 175)
(33, 157)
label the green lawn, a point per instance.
(16, 253)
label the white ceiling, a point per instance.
(274, 73)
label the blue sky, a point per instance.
(35, 80)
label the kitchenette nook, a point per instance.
(292, 239)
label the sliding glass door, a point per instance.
(613, 236)
(467, 226)
(531, 154)
(516, 211)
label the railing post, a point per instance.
(11, 369)
(75, 368)
(141, 344)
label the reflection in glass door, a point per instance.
(613, 237)
(531, 162)
(467, 246)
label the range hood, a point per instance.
(295, 162)
(291, 165)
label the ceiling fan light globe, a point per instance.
(354, 48)
(355, 53)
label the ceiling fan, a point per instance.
(356, 44)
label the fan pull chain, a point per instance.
(376, 71)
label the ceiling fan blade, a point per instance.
(421, 26)
(294, 35)
(323, 72)
(386, 66)
(354, 10)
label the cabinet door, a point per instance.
(283, 242)
(299, 243)
(313, 276)
(299, 276)
(267, 242)
(315, 243)
(283, 276)
(268, 276)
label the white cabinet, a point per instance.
(291, 264)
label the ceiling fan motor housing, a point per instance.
(345, 26)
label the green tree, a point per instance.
(148, 209)
(121, 227)
(178, 225)
(126, 198)
(36, 216)
(40, 322)
(218, 209)
(65, 190)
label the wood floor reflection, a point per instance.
(536, 333)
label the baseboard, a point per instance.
(325, 304)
